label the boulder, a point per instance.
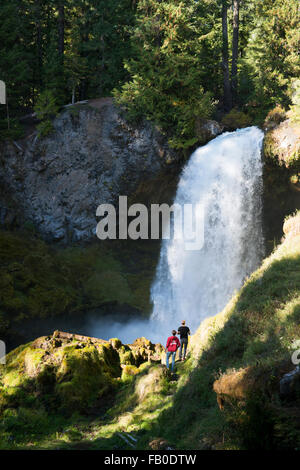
(144, 350)
(207, 130)
(291, 226)
(160, 444)
(290, 384)
(282, 143)
(152, 382)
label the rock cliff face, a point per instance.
(282, 142)
(281, 174)
(93, 156)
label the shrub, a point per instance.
(24, 420)
(46, 109)
(236, 119)
(295, 108)
(274, 117)
(13, 131)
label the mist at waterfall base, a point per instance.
(225, 177)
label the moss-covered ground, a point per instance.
(254, 336)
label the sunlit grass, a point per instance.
(254, 334)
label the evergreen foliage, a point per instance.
(162, 60)
(46, 109)
(173, 45)
(273, 51)
(295, 107)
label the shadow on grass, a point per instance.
(256, 335)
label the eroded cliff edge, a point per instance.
(93, 156)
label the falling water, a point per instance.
(225, 178)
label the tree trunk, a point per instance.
(235, 50)
(225, 59)
(39, 42)
(7, 114)
(61, 29)
(100, 87)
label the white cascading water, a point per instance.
(225, 177)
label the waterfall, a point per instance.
(225, 177)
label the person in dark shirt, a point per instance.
(184, 332)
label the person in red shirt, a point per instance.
(173, 344)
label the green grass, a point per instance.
(254, 334)
(255, 330)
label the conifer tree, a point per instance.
(274, 49)
(169, 83)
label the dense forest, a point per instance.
(108, 98)
(173, 61)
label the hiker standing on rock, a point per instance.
(173, 344)
(184, 332)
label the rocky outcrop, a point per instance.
(207, 130)
(93, 156)
(282, 142)
(75, 371)
(160, 444)
(291, 226)
(290, 384)
(281, 173)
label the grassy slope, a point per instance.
(254, 333)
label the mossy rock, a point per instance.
(282, 144)
(13, 378)
(81, 378)
(274, 117)
(110, 359)
(75, 375)
(28, 419)
(33, 362)
(12, 374)
(127, 357)
(116, 343)
(152, 382)
(129, 371)
(143, 343)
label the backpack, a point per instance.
(173, 346)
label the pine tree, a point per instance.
(46, 109)
(104, 42)
(172, 41)
(274, 49)
(235, 50)
(227, 96)
(16, 59)
(75, 66)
